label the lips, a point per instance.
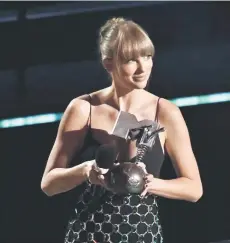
(140, 77)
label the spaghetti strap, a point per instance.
(90, 111)
(157, 110)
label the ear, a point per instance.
(108, 65)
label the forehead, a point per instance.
(134, 48)
(133, 41)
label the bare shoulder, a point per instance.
(78, 110)
(168, 109)
(171, 118)
(76, 113)
(79, 105)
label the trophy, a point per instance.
(128, 177)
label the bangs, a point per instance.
(133, 43)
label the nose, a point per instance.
(141, 66)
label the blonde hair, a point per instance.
(124, 40)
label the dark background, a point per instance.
(49, 55)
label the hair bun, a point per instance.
(116, 21)
(110, 25)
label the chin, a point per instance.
(140, 85)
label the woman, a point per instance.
(101, 216)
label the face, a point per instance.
(134, 73)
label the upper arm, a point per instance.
(178, 144)
(71, 133)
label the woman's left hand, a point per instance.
(149, 180)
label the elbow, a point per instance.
(45, 187)
(197, 193)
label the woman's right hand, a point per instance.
(95, 174)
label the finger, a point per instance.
(101, 177)
(95, 168)
(93, 177)
(149, 177)
(101, 180)
(144, 192)
(149, 180)
(103, 171)
(141, 164)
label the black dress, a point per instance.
(101, 216)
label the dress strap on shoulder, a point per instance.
(157, 110)
(90, 111)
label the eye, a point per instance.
(147, 57)
(131, 61)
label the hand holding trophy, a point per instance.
(129, 177)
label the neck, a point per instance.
(125, 99)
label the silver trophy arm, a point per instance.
(127, 125)
(147, 141)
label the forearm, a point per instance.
(181, 188)
(61, 180)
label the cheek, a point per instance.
(150, 65)
(128, 71)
